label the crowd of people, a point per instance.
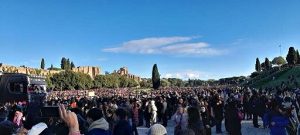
(194, 111)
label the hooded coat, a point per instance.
(99, 127)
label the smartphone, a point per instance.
(49, 111)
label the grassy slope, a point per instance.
(280, 76)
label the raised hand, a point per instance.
(70, 118)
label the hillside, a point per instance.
(275, 77)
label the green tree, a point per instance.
(43, 64)
(49, 82)
(164, 83)
(175, 82)
(72, 65)
(68, 65)
(298, 57)
(132, 83)
(291, 57)
(112, 81)
(146, 83)
(100, 81)
(84, 81)
(278, 61)
(63, 63)
(155, 77)
(257, 65)
(51, 68)
(263, 66)
(268, 65)
(69, 80)
(124, 81)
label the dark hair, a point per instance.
(121, 113)
(193, 115)
(77, 111)
(194, 120)
(187, 132)
(95, 114)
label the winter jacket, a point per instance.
(280, 123)
(184, 120)
(122, 128)
(198, 128)
(135, 115)
(99, 127)
(233, 120)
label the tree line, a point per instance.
(69, 80)
(65, 64)
(291, 59)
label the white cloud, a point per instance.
(146, 45)
(188, 74)
(200, 48)
(166, 45)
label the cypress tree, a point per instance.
(268, 64)
(72, 65)
(257, 65)
(43, 64)
(298, 57)
(155, 77)
(68, 64)
(63, 63)
(291, 57)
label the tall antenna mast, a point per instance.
(280, 49)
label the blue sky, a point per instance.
(187, 39)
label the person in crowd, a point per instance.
(234, 117)
(159, 106)
(98, 125)
(187, 132)
(207, 119)
(247, 106)
(97, 122)
(135, 117)
(122, 126)
(180, 119)
(164, 112)
(153, 112)
(70, 119)
(291, 114)
(118, 111)
(157, 129)
(147, 113)
(8, 127)
(73, 103)
(194, 121)
(218, 108)
(141, 113)
(277, 120)
(257, 107)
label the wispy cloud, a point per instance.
(167, 45)
(188, 74)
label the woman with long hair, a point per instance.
(180, 119)
(194, 121)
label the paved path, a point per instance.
(247, 129)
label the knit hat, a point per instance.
(37, 129)
(157, 129)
